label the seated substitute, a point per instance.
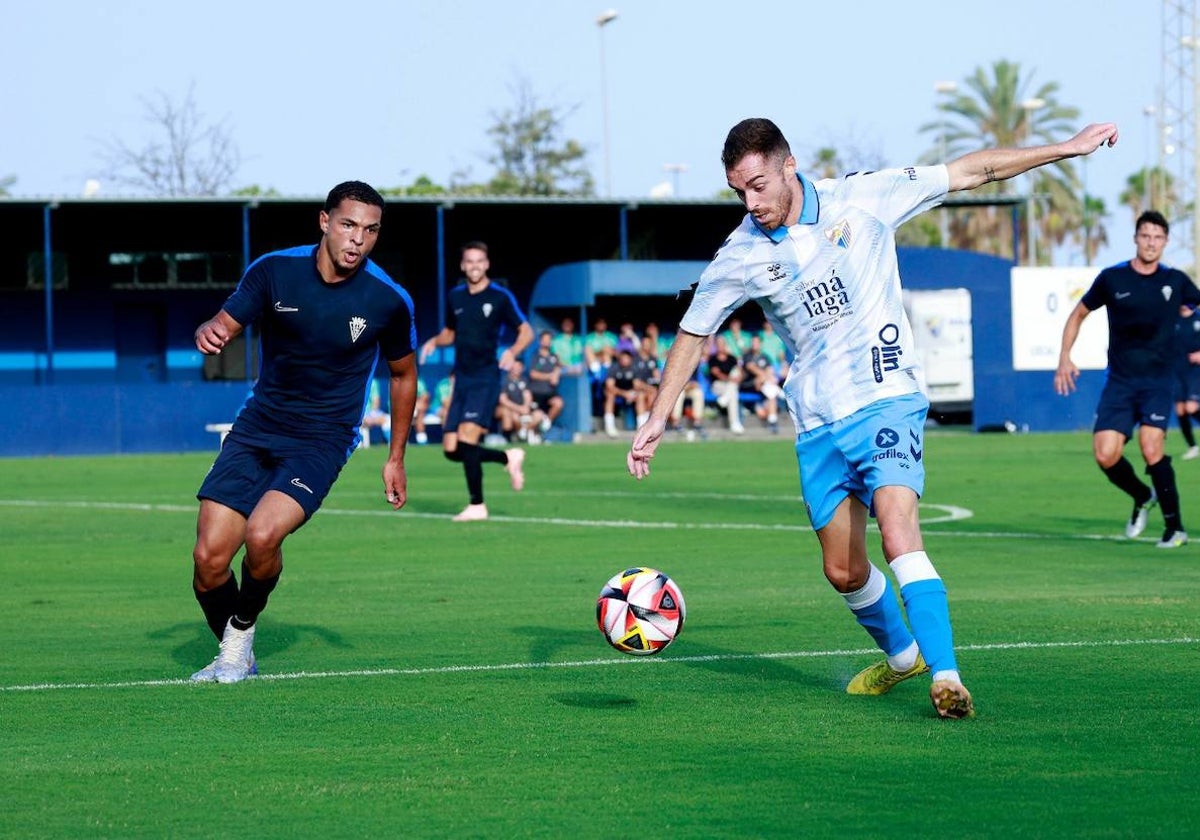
(725, 378)
(515, 409)
(545, 370)
(620, 391)
(761, 378)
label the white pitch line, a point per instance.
(950, 514)
(596, 663)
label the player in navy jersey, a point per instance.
(478, 312)
(326, 314)
(820, 259)
(1143, 298)
(1187, 377)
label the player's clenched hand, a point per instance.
(1093, 137)
(395, 483)
(645, 442)
(211, 337)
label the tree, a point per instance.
(189, 156)
(1152, 189)
(990, 110)
(6, 183)
(530, 157)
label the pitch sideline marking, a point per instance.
(953, 514)
(592, 663)
(950, 513)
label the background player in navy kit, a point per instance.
(326, 315)
(477, 312)
(1143, 299)
(1187, 377)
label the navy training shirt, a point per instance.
(1142, 312)
(477, 320)
(320, 341)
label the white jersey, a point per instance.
(830, 286)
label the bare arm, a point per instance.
(402, 391)
(1067, 373)
(977, 168)
(212, 336)
(443, 339)
(681, 364)
(524, 339)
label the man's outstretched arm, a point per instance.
(978, 168)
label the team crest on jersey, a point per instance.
(357, 325)
(1166, 290)
(487, 310)
(839, 234)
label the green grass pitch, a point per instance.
(423, 678)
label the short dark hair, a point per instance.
(474, 245)
(355, 191)
(756, 135)
(1152, 217)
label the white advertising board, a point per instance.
(1042, 298)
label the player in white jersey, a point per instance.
(820, 259)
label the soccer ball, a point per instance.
(640, 611)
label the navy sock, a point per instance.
(252, 599)
(1162, 475)
(1185, 428)
(1122, 475)
(218, 605)
(473, 470)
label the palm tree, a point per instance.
(993, 109)
(1151, 189)
(1095, 234)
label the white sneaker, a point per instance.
(422, 438)
(235, 662)
(739, 429)
(472, 513)
(206, 674)
(545, 425)
(1137, 520)
(1172, 539)
(1191, 453)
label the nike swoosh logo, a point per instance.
(298, 483)
(279, 307)
(1122, 295)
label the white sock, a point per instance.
(905, 659)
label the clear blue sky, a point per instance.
(315, 93)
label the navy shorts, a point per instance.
(255, 459)
(1125, 404)
(474, 401)
(1187, 383)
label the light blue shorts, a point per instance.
(882, 445)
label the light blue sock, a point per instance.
(877, 610)
(928, 610)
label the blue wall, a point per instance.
(1025, 398)
(104, 419)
